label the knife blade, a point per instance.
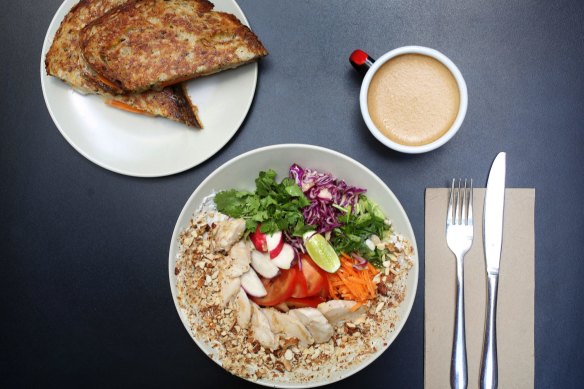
(493, 237)
(493, 219)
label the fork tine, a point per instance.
(470, 220)
(449, 217)
(457, 217)
(464, 216)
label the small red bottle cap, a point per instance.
(358, 57)
(361, 61)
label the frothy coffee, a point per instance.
(413, 99)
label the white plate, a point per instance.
(240, 172)
(143, 146)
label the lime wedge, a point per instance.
(321, 252)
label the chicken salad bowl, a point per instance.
(293, 266)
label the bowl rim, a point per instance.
(462, 89)
(407, 304)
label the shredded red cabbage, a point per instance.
(297, 246)
(323, 190)
(296, 172)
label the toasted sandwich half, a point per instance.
(64, 60)
(150, 44)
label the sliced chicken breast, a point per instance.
(288, 326)
(274, 320)
(319, 327)
(240, 255)
(228, 232)
(261, 329)
(243, 309)
(339, 311)
(229, 288)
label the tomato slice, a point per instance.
(305, 302)
(314, 276)
(279, 288)
(300, 288)
(324, 292)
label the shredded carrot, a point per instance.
(125, 107)
(356, 306)
(349, 283)
(107, 82)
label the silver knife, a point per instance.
(493, 236)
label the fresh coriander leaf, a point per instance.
(260, 216)
(267, 201)
(294, 190)
(241, 194)
(265, 182)
(250, 225)
(269, 227)
(300, 229)
(303, 201)
(231, 202)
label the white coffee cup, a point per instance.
(365, 64)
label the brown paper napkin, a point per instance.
(515, 311)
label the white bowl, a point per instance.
(461, 88)
(241, 171)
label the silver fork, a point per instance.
(459, 235)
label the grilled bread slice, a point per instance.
(149, 44)
(64, 60)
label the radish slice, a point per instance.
(252, 284)
(274, 240)
(258, 239)
(262, 265)
(274, 253)
(285, 258)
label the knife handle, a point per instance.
(458, 366)
(489, 368)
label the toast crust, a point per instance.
(148, 44)
(64, 60)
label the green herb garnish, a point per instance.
(277, 206)
(357, 226)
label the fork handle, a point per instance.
(489, 375)
(458, 367)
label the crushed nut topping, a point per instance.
(199, 273)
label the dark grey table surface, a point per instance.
(85, 300)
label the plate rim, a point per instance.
(48, 40)
(415, 268)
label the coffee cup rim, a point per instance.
(461, 109)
